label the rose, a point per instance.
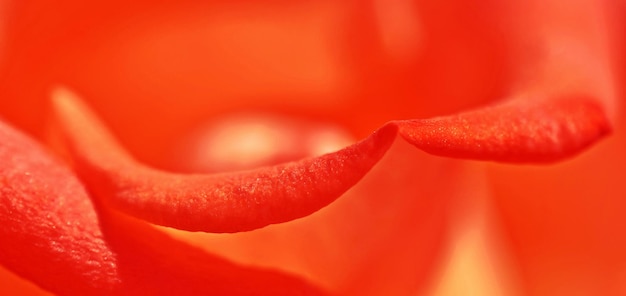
(395, 73)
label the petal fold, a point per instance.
(53, 235)
(521, 130)
(214, 203)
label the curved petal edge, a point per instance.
(518, 131)
(53, 235)
(532, 131)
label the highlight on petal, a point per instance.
(53, 235)
(533, 131)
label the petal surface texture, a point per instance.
(215, 203)
(565, 223)
(53, 235)
(517, 131)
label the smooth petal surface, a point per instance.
(53, 235)
(179, 64)
(16, 285)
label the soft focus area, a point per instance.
(199, 87)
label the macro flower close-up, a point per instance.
(312, 147)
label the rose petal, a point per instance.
(215, 203)
(51, 234)
(178, 64)
(566, 222)
(522, 130)
(384, 236)
(13, 284)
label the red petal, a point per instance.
(51, 234)
(331, 58)
(522, 130)
(384, 236)
(214, 203)
(566, 223)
